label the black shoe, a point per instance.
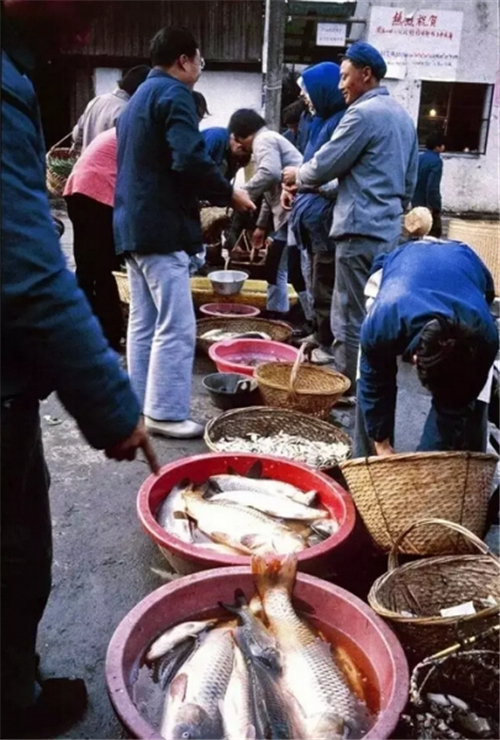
(60, 705)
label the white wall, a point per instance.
(226, 92)
(470, 181)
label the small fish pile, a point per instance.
(222, 335)
(237, 515)
(314, 453)
(262, 672)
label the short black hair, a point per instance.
(133, 78)
(245, 122)
(292, 113)
(170, 43)
(435, 139)
(453, 361)
(201, 105)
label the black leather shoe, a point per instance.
(60, 705)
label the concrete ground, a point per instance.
(103, 563)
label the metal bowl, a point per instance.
(227, 282)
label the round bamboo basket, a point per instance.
(279, 331)
(392, 492)
(424, 587)
(484, 238)
(306, 388)
(268, 422)
(60, 161)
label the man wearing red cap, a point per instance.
(374, 154)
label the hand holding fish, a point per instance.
(127, 448)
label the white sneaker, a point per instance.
(187, 429)
(320, 356)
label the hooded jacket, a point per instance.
(312, 212)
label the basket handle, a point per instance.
(296, 367)
(59, 142)
(393, 562)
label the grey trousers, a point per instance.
(354, 256)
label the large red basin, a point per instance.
(227, 354)
(187, 558)
(187, 598)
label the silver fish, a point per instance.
(278, 506)
(172, 516)
(237, 706)
(192, 704)
(325, 528)
(323, 705)
(244, 529)
(166, 667)
(175, 635)
(224, 483)
(258, 639)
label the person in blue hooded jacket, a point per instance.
(311, 216)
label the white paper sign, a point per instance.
(426, 43)
(330, 34)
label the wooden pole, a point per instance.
(272, 60)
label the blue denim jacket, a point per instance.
(50, 338)
(427, 191)
(374, 154)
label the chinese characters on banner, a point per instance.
(423, 44)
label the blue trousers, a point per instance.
(26, 547)
(161, 334)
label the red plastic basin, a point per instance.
(227, 355)
(189, 597)
(186, 558)
(229, 309)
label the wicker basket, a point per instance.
(392, 492)
(425, 587)
(279, 331)
(267, 422)
(484, 238)
(294, 385)
(253, 293)
(56, 181)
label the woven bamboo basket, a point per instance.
(253, 293)
(268, 422)
(392, 492)
(424, 587)
(59, 158)
(279, 331)
(484, 238)
(302, 387)
(123, 285)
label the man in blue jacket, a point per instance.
(163, 168)
(374, 154)
(428, 188)
(223, 148)
(432, 311)
(50, 342)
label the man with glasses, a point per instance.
(163, 167)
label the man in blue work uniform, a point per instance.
(50, 342)
(163, 168)
(431, 310)
(428, 188)
(374, 154)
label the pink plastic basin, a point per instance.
(186, 558)
(189, 597)
(228, 355)
(229, 309)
